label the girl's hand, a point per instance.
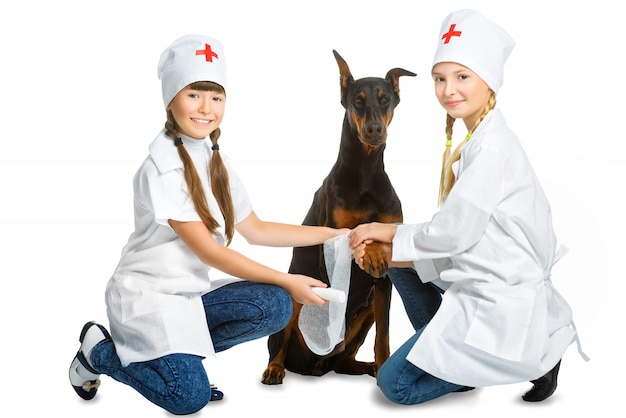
(299, 287)
(373, 232)
(342, 231)
(359, 253)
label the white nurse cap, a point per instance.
(189, 59)
(470, 39)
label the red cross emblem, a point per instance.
(451, 33)
(207, 53)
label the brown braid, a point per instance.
(220, 183)
(447, 175)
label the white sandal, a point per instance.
(83, 377)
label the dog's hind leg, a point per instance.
(278, 344)
(359, 328)
(377, 312)
(287, 348)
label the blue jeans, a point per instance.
(236, 313)
(400, 380)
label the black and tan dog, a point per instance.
(357, 190)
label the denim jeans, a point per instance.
(400, 380)
(236, 313)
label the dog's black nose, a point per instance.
(374, 128)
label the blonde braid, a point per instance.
(447, 175)
(446, 156)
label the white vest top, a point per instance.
(154, 296)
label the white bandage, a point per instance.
(330, 294)
(323, 326)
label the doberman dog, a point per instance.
(357, 190)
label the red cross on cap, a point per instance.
(451, 33)
(207, 52)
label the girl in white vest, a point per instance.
(165, 314)
(475, 280)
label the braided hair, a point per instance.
(447, 175)
(220, 183)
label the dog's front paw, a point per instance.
(375, 260)
(273, 375)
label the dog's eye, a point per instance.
(358, 102)
(384, 100)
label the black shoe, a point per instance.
(216, 395)
(543, 387)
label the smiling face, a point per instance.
(461, 92)
(197, 112)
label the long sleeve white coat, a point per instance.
(501, 319)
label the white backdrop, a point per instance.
(80, 102)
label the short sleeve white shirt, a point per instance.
(154, 296)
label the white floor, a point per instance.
(80, 102)
(583, 389)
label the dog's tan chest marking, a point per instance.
(345, 218)
(349, 218)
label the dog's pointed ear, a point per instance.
(345, 76)
(393, 76)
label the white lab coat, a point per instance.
(501, 320)
(154, 296)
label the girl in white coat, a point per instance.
(489, 249)
(165, 314)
